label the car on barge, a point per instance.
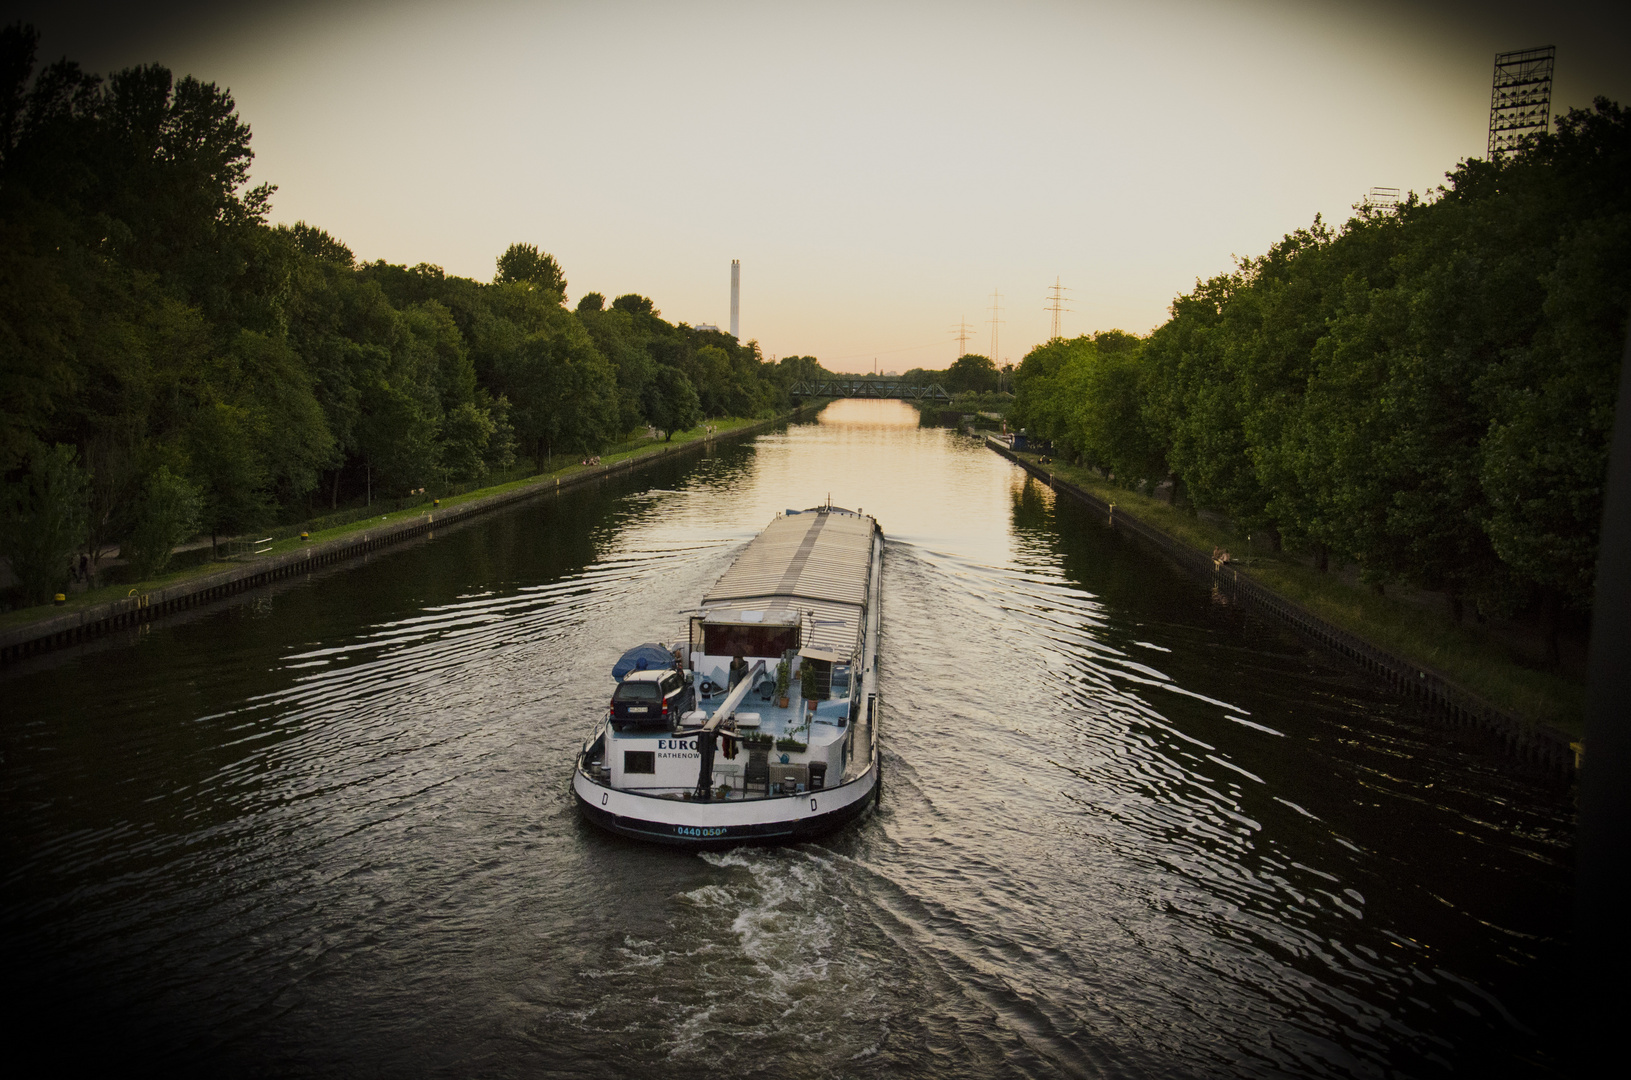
(781, 743)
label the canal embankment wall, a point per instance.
(69, 627)
(1542, 746)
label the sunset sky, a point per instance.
(878, 167)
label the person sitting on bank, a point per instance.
(739, 670)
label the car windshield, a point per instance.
(636, 691)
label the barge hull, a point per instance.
(708, 837)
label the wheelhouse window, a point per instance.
(749, 640)
(639, 761)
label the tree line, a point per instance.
(970, 373)
(1426, 392)
(172, 364)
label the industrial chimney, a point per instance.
(736, 299)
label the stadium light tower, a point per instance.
(1520, 103)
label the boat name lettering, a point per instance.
(693, 830)
(676, 744)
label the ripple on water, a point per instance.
(1124, 831)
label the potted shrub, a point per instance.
(791, 745)
(809, 685)
(781, 683)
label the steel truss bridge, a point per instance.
(898, 389)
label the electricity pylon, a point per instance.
(964, 332)
(1056, 304)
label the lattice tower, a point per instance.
(1383, 200)
(1520, 104)
(1058, 304)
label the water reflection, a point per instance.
(1124, 831)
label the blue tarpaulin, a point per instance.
(645, 657)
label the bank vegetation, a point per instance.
(1425, 393)
(173, 365)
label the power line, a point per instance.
(1056, 304)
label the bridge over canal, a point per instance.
(898, 389)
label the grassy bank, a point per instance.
(1482, 666)
(288, 536)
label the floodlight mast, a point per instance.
(1520, 101)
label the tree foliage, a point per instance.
(971, 374)
(211, 368)
(167, 514)
(42, 521)
(1427, 393)
(525, 264)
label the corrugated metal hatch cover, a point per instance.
(812, 556)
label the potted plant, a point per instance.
(791, 745)
(809, 685)
(781, 683)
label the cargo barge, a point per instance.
(762, 724)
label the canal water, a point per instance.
(1125, 830)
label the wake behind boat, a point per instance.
(762, 725)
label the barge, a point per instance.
(762, 725)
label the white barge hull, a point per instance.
(807, 593)
(724, 824)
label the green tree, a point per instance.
(971, 374)
(43, 523)
(397, 439)
(167, 516)
(466, 433)
(500, 452)
(709, 369)
(231, 477)
(635, 304)
(672, 402)
(627, 348)
(525, 263)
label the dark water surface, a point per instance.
(1124, 832)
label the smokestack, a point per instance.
(736, 298)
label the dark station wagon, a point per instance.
(651, 699)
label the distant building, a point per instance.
(706, 326)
